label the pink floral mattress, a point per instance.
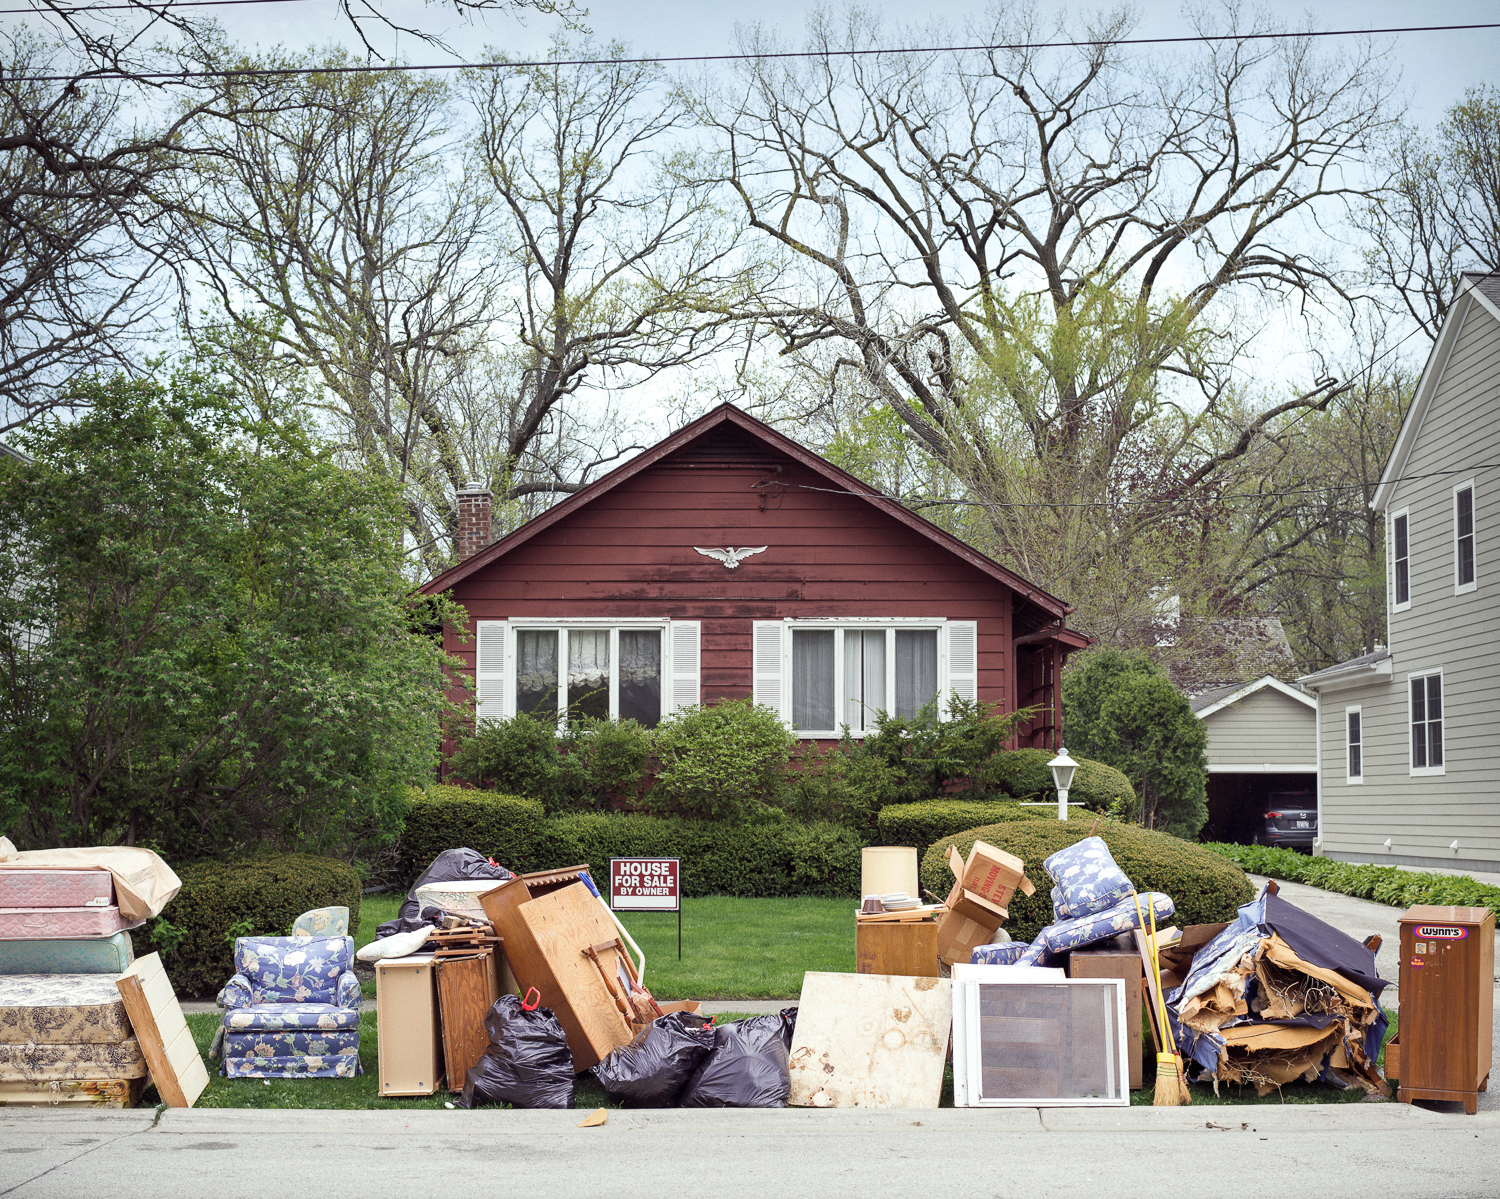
(54, 887)
(25, 924)
(62, 1009)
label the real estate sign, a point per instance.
(645, 884)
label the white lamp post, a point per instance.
(1062, 775)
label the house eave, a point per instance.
(1370, 672)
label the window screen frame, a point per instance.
(1400, 566)
(1354, 773)
(966, 994)
(1428, 770)
(1460, 587)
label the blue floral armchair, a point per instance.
(293, 1009)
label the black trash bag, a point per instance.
(749, 1065)
(527, 1064)
(652, 1070)
(450, 866)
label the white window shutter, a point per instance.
(767, 666)
(489, 670)
(687, 667)
(963, 660)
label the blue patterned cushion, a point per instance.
(276, 1017)
(1100, 926)
(1036, 954)
(1007, 953)
(1088, 877)
(1060, 910)
(322, 922)
(330, 1065)
(290, 1044)
(293, 969)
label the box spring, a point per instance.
(62, 1009)
(54, 887)
(59, 923)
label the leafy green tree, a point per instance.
(1090, 680)
(207, 645)
(1147, 730)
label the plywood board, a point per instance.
(171, 1055)
(908, 949)
(870, 1040)
(466, 992)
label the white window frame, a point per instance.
(779, 696)
(1399, 605)
(681, 660)
(1427, 771)
(1460, 588)
(1350, 744)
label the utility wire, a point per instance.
(661, 60)
(42, 10)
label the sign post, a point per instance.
(647, 885)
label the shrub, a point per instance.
(515, 757)
(764, 860)
(725, 762)
(1383, 884)
(503, 827)
(258, 896)
(1205, 887)
(920, 824)
(1024, 773)
(926, 757)
(601, 762)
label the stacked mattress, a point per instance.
(64, 1034)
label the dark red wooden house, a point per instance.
(729, 561)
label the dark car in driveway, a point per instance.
(1290, 820)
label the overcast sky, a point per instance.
(1436, 67)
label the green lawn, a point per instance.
(731, 948)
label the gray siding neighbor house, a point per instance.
(1408, 748)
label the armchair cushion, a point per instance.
(286, 1017)
(290, 970)
(331, 1065)
(322, 922)
(316, 1043)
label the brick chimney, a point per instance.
(473, 519)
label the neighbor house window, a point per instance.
(1356, 744)
(824, 676)
(1427, 723)
(1463, 537)
(1401, 558)
(567, 670)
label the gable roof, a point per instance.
(1206, 705)
(728, 415)
(1481, 290)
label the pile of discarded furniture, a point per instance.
(81, 1021)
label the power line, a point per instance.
(250, 72)
(145, 6)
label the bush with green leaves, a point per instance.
(1024, 774)
(249, 897)
(207, 642)
(773, 858)
(1121, 709)
(928, 756)
(502, 827)
(517, 756)
(1206, 888)
(723, 762)
(1382, 884)
(603, 763)
(920, 824)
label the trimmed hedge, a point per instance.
(258, 896)
(503, 827)
(1383, 884)
(761, 860)
(1205, 887)
(1024, 773)
(920, 824)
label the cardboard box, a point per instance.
(992, 874)
(972, 918)
(1117, 959)
(1177, 959)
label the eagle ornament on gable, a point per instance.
(731, 557)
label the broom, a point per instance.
(1171, 1083)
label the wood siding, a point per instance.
(629, 555)
(1456, 633)
(1264, 728)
